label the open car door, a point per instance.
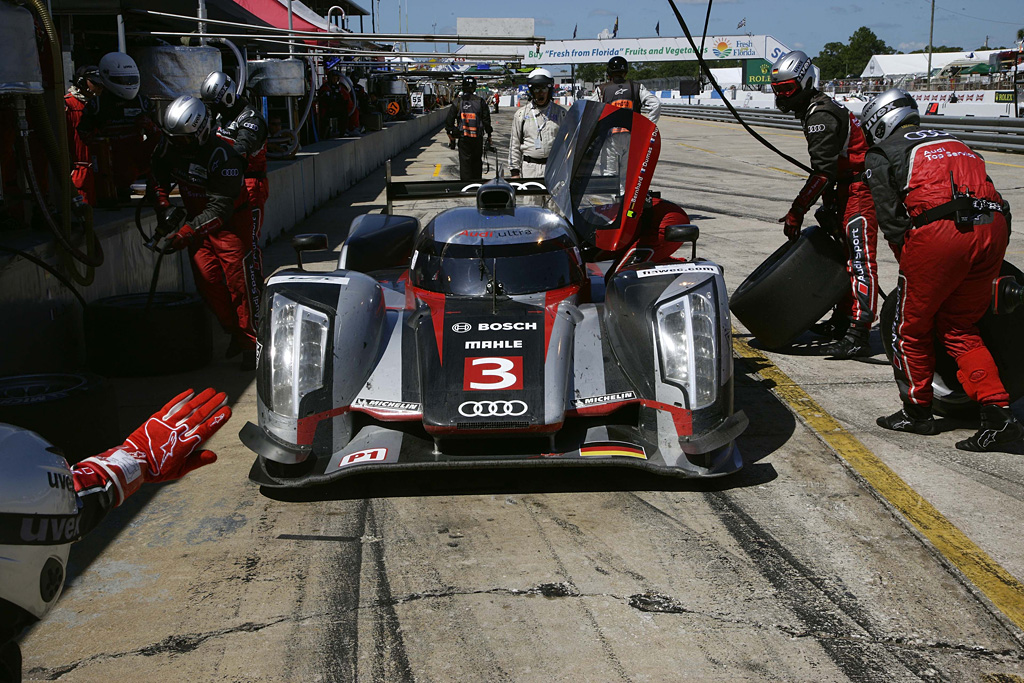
(599, 170)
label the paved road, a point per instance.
(793, 570)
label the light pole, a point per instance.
(931, 33)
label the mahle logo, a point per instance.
(722, 49)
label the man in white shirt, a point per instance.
(534, 128)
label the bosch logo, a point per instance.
(461, 327)
(496, 327)
(492, 408)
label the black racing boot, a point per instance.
(855, 344)
(834, 328)
(998, 427)
(911, 418)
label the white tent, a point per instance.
(889, 66)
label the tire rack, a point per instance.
(997, 134)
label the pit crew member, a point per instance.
(949, 227)
(84, 87)
(468, 120)
(46, 505)
(837, 146)
(534, 128)
(625, 93)
(218, 228)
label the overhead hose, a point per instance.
(49, 269)
(707, 70)
(57, 149)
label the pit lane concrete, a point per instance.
(792, 570)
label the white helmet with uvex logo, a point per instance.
(119, 74)
(38, 522)
(887, 112)
(793, 80)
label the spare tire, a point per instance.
(793, 288)
(76, 412)
(1003, 336)
(125, 338)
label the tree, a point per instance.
(838, 60)
(1020, 34)
(939, 48)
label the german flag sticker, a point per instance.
(610, 449)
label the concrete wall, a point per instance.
(42, 322)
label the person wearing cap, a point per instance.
(620, 92)
(468, 120)
(118, 125)
(45, 505)
(534, 128)
(84, 87)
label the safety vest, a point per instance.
(469, 116)
(625, 95)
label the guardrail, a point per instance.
(1000, 135)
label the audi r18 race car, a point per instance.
(503, 335)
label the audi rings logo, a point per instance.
(492, 408)
(461, 327)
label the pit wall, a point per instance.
(42, 329)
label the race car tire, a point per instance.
(792, 289)
(76, 412)
(124, 338)
(1002, 334)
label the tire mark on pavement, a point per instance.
(390, 662)
(340, 652)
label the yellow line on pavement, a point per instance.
(437, 170)
(699, 149)
(782, 170)
(998, 585)
(1000, 163)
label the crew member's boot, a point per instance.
(913, 418)
(834, 328)
(998, 427)
(855, 344)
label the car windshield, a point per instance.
(496, 269)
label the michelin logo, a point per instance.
(377, 404)
(600, 400)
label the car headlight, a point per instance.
(298, 350)
(687, 341)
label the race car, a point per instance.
(503, 335)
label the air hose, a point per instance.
(57, 150)
(707, 70)
(48, 268)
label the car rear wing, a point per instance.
(414, 190)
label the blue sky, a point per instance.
(903, 24)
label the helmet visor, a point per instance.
(124, 80)
(786, 88)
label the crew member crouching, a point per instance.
(949, 228)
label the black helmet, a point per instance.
(468, 85)
(618, 65)
(86, 73)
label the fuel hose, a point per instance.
(48, 268)
(707, 70)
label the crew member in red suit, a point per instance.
(333, 101)
(85, 86)
(239, 123)
(218, 228)
(948, 226)
(837, 146)
(658, 215)
(45, 505)
(118, 125)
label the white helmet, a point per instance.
(540, 78)
(187, 119)
(218, 91)
(793, 80)
(120, 75)
(38, 522)
(887, 112)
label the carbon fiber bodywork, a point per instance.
(495, 346)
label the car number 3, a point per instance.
(493, 373)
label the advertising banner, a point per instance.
(716, 48)
(757, 72)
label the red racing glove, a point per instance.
(165, 446)
(792, 222)
(185, 237)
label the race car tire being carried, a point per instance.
(76, 412)
(792, 289)
(1002, 334)
(124, 338)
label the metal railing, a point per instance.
(1000, 135)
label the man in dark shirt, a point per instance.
(468, 120)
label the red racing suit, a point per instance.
(837, 147)
(946, 267)
(658, 215)
(247, 131)
(81, 159)
(209, 179)
(333, 101)
(121, 135)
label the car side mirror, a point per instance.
(684, 233)
(308, 242)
